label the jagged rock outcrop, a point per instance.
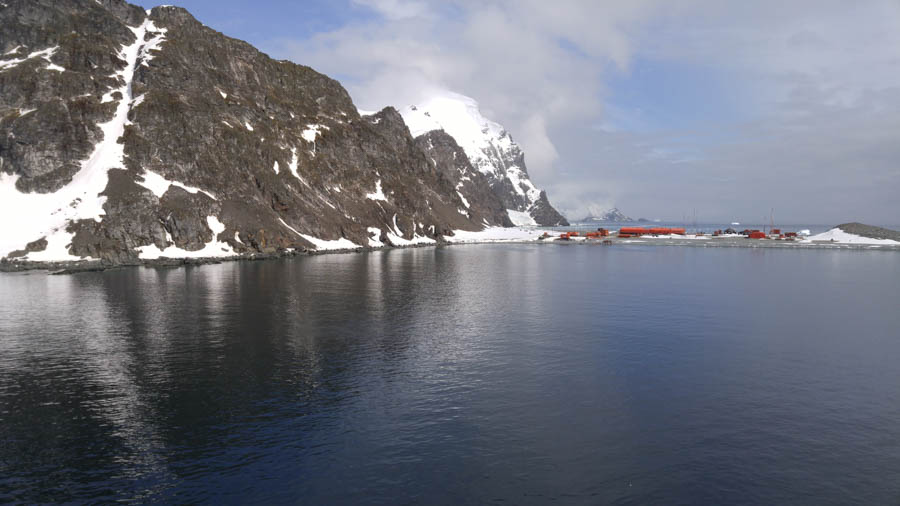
(491, 150)
(127, 134)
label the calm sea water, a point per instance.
(522, 374)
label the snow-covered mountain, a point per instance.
(490, 149)
(613, 215)
(129, 135)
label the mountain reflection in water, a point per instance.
(458, 375)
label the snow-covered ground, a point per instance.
(839, 236)
(521, 218)
(498, 234)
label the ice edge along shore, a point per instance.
(832, 239)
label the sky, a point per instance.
(726, 110)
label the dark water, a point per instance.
(525, 374)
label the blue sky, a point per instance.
(659, 95)
(653, 106)
(263, 22)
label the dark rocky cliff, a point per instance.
(481, 205)
(272, 151)
(48, 118)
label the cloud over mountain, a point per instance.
(624, 102)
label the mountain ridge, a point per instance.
(172, 139)
(613, 215)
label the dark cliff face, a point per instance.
(495, 186)
(451, 161)
(545, 214)
(48, 118)
(270, 149)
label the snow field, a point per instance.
(839, 236)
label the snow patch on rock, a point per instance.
(159, 35)
(311, 131)
(292, 165)
(323, 244)
(396, 238)
(310, 134)
(375, 237)
(464, 201)
(212, 249)
(159, 185)
(43, 53)
(378, 194)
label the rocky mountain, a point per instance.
(613, 215)
(128, 134)
(491, 150)
(473, 187)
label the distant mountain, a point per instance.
(490, 149)
(613, 215)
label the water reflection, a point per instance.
(452, 375)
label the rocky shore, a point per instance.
(493, 235)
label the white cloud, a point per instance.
(532, 67)
(815, 83)
(395, 9)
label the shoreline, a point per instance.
(74, 267)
